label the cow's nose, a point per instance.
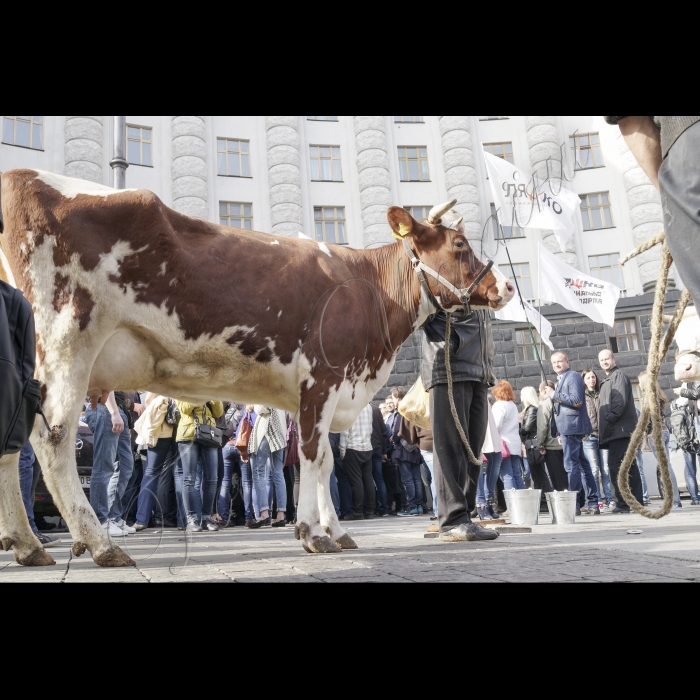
(510, 288)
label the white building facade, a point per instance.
(333, 177)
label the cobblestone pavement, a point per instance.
(393, 550)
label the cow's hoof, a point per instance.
(306, 547)
(37, 557)
(112, 558)
(346, 542)
(6, 543)
(323, 545)
(78, 549)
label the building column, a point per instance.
(284, 172)
(189, 166)
(543, 144)
(646, 215)
(460, 175)
(373, 178)
(83, 148)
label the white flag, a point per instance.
(528, 202)
(572, 289)
(514, 312)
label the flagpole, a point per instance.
(527, 318)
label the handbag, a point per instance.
(205, 434)
(292, 457)
(534, 456)
(244, 438)
(172, 415)
(415, 406)
(505, 452)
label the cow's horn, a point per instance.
(457, 223)
(437, 212)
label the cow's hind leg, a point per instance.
(15, 532)
(56, 453)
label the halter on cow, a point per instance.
(129, 294)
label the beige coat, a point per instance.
(151, 426)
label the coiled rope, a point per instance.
(658, 348)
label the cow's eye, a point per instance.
(459, 244)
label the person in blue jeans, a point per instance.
(507, 422)
(380, 449)
(345, 504)
(591, 448)
(113, 462)
(573, 424)
(490, 471)
(200, 465)
(409, 459)
(232, 460)
(29, 473)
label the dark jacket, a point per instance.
(617, 417)
(593, 406)
(570, 410)
(528, 428)
(692, 392)
(472, 349)
(379, 437)
(414, 435)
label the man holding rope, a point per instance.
(668, 150)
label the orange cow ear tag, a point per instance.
(402, 233)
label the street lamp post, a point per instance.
(119, 163)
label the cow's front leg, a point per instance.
(56, 452)
(329, 519)
(15, 532)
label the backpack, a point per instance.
(172, 415)
(683, 429)
(20, 399)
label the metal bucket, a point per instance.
(562, 506)
(523, 506)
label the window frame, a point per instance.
(576, 148)
(403, 120)
(317, 119)
(498, 155)
(528, 345)
(419, 159)
(321, 158)
(32, 124)
(140, 142)
(521, 277)
(589, 208)
(426, 210)
(323, 221)
(628, 334)
(595, 270)
(243, 217)
(240, 154)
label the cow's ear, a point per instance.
(402, 223)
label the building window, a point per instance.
(525, 349)
(491, 119)
(139, 145)
(413, 164)
(330, 225)
(233, 157)
(502, 150)
(625, 338)
(607, 268)
(637, 394)
(408, 120)
(236, 214)
(503, 232)
(596, 211)
(322, 119)
(522, 274)
(27, 132)
(587, 151)
(420, 214)
(325, 164)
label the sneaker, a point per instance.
(210, 525)
(468, 532)
(47, 541)
(578, 512)
(358, 517)
(194, 527)
(123, 526)
(695, 503)
(677, 506)
(620, 511)
(138, 528)
(647, 502)
(420, 510)
(405, 514)
(113, 530)
(590, 510)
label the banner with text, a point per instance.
(527, 202)
(572, 289)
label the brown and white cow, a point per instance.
(129, 294)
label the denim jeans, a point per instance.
(335, 493)
(640, 464)
(200, 465)
(260, 464)
(231, 460)
(579, 469)
(413, 483)
(159, 457)
(691, 476)
(247, 484)
(26, 480)
(511, 473)
(428, 459)
(344, 488)
(276, 485)
(666, 437)
(378, 474)
(488, 478)
(599, 465)
(112, 464)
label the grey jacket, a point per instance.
(618, 416)
(472, 349)
(671, 129)
(545, 441)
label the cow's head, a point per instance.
(441, 245)
(688, 341)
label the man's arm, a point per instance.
(117, 422)
(644, 140)
(570, 392)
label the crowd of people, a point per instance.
(152, 467)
